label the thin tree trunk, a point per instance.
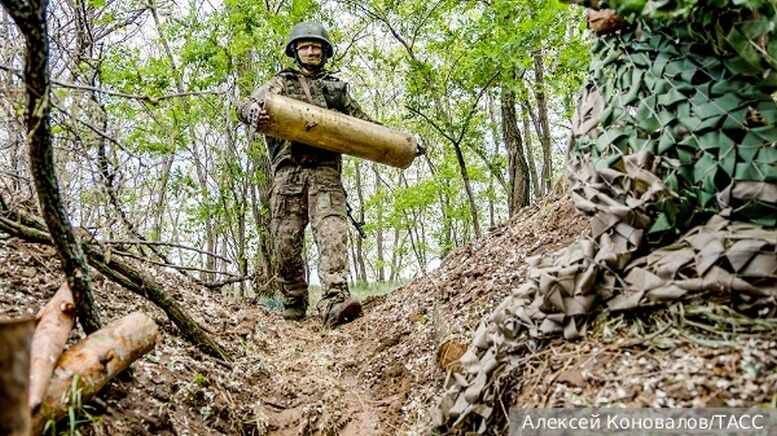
(529, 151)
(260, 192)
(396, 256)
(542, 107)
(353, 270)
(444, 206)
(495, 134)
(421, 223)
(417, 237)
(519, 183)
(210, 247)
(380, 267)
(361, 270)
(31, 19)
(168, 162)
(14, 131)
(473, 209)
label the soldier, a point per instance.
(307, 184)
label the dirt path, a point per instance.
(316, 379)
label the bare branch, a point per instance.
(163, 244)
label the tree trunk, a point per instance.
(473, 209)
(210, 247)
(15, 342)
(542, 107)
(55, 322)
(519, 183)
(380, 263)
(12, 127)
(264, 283)
(416, 237)
(361, 269)
(445, 243)
(168, 162)
(95, 361)
(535, 188)
(397, 255)
(353, 270)
(31, 19)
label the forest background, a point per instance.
(149, 147)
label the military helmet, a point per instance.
(309, 30)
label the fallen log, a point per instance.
(31, 229)
(15, 342)
(95, 361)
(55, 321)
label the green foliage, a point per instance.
(77, 413)
(456, 58)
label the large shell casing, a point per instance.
(295, 120)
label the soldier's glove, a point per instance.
(258, 117)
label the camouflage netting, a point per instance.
(674, 158)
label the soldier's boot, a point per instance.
(340, 308)
(294, 308)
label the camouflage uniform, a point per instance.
(307, 187)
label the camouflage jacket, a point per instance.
(326, 91)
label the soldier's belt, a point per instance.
(298, 121)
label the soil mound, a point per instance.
(384, 373)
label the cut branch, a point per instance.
(95, 361)
(55, 321)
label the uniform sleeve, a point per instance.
(248, 109)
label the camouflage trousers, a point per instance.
(315, 195)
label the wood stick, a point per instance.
(55, 321)
(95, 361)
(159, 243)
(169, 265)
(15, 342)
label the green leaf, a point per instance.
(705, 168)
(666, 142)
(671, 97)
(742, 45)
(707, 110)
(647, 119)
(747, 171)
(691, 123)
(661, 224)
(728, 158)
